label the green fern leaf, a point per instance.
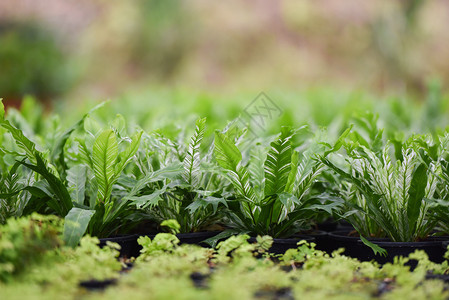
(21, 140)
(62, 202)
(308, 171)
(127, 155)
(376, 248)
(57, 153)
(293, 174)
(278, 164)
(75, 225)
(416, 195)
(191, 162)
(257, 157)
(227, 154)
(76, 178)
(229, 157)
(59, 196)
(104, 158)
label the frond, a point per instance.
(192, 159)
(104, 158)
(308, 171)
(227, 154)
(278, 164)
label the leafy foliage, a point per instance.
(106, 166)
(435, 155)
(185, 187)
(278, 164)
(192, 159)
(104, 157)
(53, 190)
(285, 204)
(389, 192)
(106, 175)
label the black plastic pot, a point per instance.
(328, 225)
(355, 248)
(128, 244)
(431, 246)
(341, 239)
(281, 245)
(444, 243)
(196, 238)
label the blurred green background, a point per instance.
(168, 55)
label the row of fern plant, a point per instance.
(105, 179)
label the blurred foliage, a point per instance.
(385, 47)
(31, 62)
(163, 38)
(157, 108)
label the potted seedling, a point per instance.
(40, 188)
(55, 188)
(181, 184)
(271, 196)
(435, 155)
(98, 168)
(385, 196)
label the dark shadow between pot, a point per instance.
(97, 285)
(128, 244)
(327, 226)
(341, 239)
(196, 238)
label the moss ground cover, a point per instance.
(236, 268)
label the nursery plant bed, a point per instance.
(128, 243)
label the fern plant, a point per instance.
(81, 192)
(100, 208)
(183, 185)
(272, 198)
(386, 193)
(12, 199)
(45, 192)
(436, 156)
